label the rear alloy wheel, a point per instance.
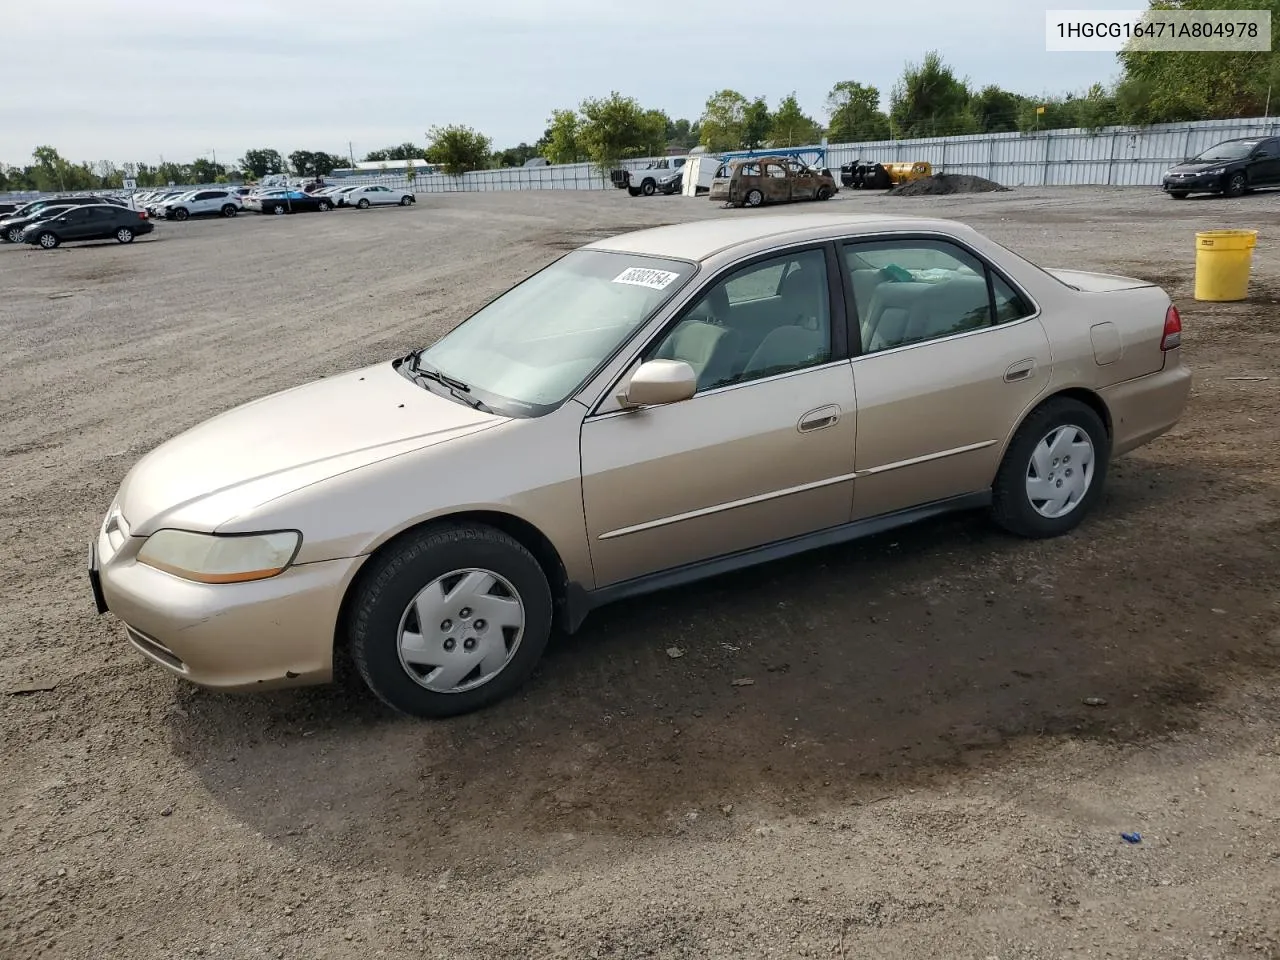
(49, 241)
(1053, 471)
(754, 198)
(181, 214)
(364, 203)
(451, 620)
(124, 235)
(229, 210)
(1235, 185)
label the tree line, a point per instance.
(928, 100)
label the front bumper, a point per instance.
(245, 636)
(1199, 182)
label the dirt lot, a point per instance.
(913, 773)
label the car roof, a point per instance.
(701, 239)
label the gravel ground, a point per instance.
(914, 772)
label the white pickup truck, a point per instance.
(661, 176)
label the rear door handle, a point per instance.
(1022, 370)
(819, 418)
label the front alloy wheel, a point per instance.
(1236, 184)
(15, 235)
(450, 619)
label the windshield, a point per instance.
(529, 350)
(1232, 150)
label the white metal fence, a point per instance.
(1120, 156)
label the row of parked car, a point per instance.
(230, 201)
(52, 221)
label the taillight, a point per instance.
(1172, 329)
(142, 214)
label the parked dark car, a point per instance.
(295, 201)
(7, 208)
(102, 222)
(34, 205)
(11, 227)
(1229, 168)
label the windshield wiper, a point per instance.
(457, 388)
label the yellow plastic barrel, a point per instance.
(1223, 261)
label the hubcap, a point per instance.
(1060, 471)
(124, 235)
(47, 241)
(460, 631)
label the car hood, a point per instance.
(1198, 166)
(265, 449)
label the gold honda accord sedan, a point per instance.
(649, 409)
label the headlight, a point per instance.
(209, 558)
(1214, 172)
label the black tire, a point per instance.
(754, 198)
(824, 193)
(405, 201)
(48, 240)
(229, 210)
(364, 203)
(1011, 505)
(277, 209)
(634, 191)
(1235, 184)
(324, 206)
(180, 213)
(124, 235)
(396, 577)
(649, 188)
(1178, 194)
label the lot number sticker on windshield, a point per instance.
(644, 277)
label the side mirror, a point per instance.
(659, 382)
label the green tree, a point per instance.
(995, 110)
(723, 121)
(258, 163)
(1170, 86)
(457, 149)
(615, 128)
(314, 163)
(757, 123)
(405, 151)
(515, 156)
(791, 126)
(855, 114)
(559, 143)
(682, 133)
(930, 101)
(206, 171)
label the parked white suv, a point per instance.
(365, 197)
(202, 203)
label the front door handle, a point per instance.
(1022, 370)
(818, 419)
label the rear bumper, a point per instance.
(1147, 407)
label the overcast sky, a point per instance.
(131, 80)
